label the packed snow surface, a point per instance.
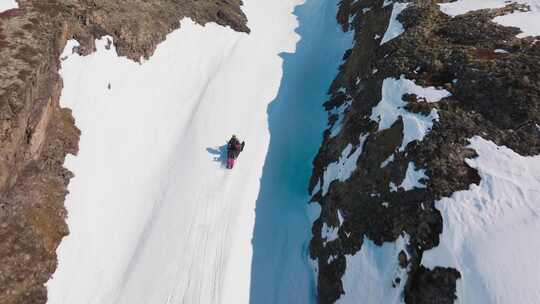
(371, 273)
(528, 22)
(153, 215)
(7, 5)
(395, 28)
(490, 231)
(392, 106)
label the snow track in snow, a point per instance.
(154, 217)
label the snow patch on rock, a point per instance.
(490, 231)
(387, 3)
(413, 178)
(392, 106)
(329, 233)
(313, 212)
(371, 273)
(341, 111)
(461, 7)
(395, 28)
(317, 188)
(528, 22)
(393, 187)
(344, 167)
(387, 161)
(340, 217)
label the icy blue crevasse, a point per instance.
(280, 270)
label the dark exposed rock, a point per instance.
(433, 286)
(403, 260)
(494, 94)
(36, 134)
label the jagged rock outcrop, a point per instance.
(36, 134)
(495, 94)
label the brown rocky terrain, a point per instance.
(494, 94)
(36, 134)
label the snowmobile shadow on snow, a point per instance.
(220, 154)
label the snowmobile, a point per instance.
(234, 147)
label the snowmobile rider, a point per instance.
(234, 147)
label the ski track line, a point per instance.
(149, 226)
(208, 208)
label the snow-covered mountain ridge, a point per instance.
(36, 133)
(424, 190)
(433, 118)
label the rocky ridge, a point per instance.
(494, 85)
(36, 134)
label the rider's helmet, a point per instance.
(234, 136)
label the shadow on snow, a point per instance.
(219, 153)
(280, 272)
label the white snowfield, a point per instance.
(7, 5)
(528, 22)
(153, 215)
(490, 231)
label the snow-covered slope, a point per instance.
(153, 215)
(490, 231)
